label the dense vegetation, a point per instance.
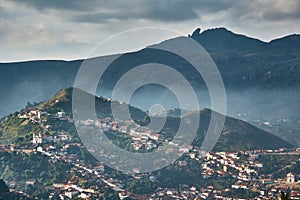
(20, 167)
(279, 165)
(18, 131)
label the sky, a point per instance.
(71, 29)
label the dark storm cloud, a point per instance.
(153, 13)
(59, 5)
(177, 10)
(181, 10)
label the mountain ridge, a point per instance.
(237, 135)
(222, 39)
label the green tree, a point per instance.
(3, 188)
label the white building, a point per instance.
(37, 139)
(61, 114)
(290, 177)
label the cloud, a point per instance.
(283, 10)
(175, 10)
(102, 11)
(59, 5)
(42, 28)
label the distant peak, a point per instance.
(225, 41)
(293, 37)
(196, 32)
(218, 30)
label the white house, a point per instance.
(290, 177)
(37, 139)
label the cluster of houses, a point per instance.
(40, 139)
(221, 163)
(245, 171)
(32, 115)
(35, 115)
(71, 189)
(142, 137)
(242, 166)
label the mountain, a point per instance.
(243, 62)
(237, 135)
(287, 44)
(261, 78)
(223, 41)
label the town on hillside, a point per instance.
(247, 172)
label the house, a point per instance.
(290, 177)
(123, 129)
(192, 155)
(61, 114)
(71, 193)
(155, 136)
(40, 149)
(40, 114)
(37, 139)
(31, 182)
(2, 147)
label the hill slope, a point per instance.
(237, 135)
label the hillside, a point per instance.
(19, 130)
(237, 135)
